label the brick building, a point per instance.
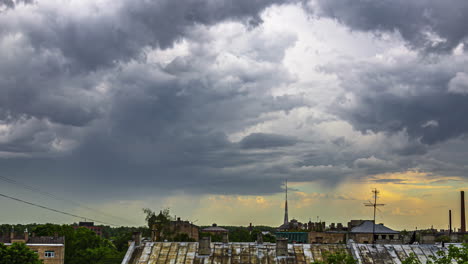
(90, 226)
(178, 227)
(51, 250)
(327, 237)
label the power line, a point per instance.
(37, 190)
(55, 210)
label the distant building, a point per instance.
(90, 226)
(51, 250)
(363, 233)
(178, 227)
(215, 229)
(294, 237)
(328, 237)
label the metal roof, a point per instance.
(392, 254)
(366, 227)
(36, 240)
(251, 253)
(229, 253)
(214, 229)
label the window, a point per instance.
(49, 254)
(391, 236)
(384, 236)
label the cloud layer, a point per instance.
(230, 97)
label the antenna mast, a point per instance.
(374, 204)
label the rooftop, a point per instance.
(36, 240)
(366, 227)
(214, 228)
(251, 253)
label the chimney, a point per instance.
(450, 221)
(260, 238)
(26, 236)
(204, 246)
(137, 238)
(225, 238)
(463, 221)
(12, 234)
(281, 246)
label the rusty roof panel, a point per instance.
(252, 253)
(155, 253)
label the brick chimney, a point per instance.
(225, 238)
(137, 238)
(26, 236)
(463, 221)
(204, 246)
(281, 246)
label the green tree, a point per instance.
(87, 247)
(18, 253)
(336, 258)
(453, 254)
(411, 259)
(160, 223)
(81, 245)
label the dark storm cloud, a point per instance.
(412, 96)
(105, 35)
(430, 25)
(145, 126)
(12, 3)
(265, 141)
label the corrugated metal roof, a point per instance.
(251, 253)
(366, 227)
(230, 253)
(392, 254)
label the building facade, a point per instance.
(178, 227)
(51, 250)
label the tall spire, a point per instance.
(286, 218)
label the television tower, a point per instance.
(286, 218)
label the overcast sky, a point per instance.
(207, 106)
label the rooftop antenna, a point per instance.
(374, 204)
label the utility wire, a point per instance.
(55, 210)
(37, 190)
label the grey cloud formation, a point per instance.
(145, 97)
(262, 140)
(141, 125)
(411, 95)
(429, 25)
(13, 3)
(102, 35)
